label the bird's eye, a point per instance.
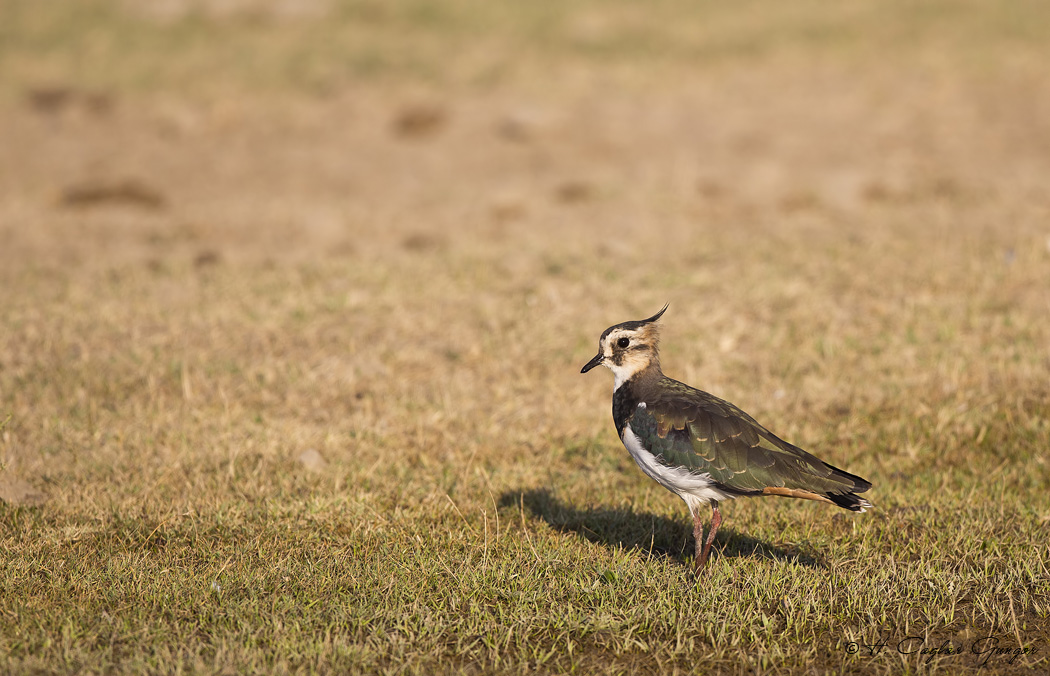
(623, 342)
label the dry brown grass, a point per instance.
(317, 340)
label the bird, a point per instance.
(704, 449)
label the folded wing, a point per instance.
(689, 428)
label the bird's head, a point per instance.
(629, 348)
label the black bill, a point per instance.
(598, 359)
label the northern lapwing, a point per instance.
(701, 448)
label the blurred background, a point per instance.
(228, 130)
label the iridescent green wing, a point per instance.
(689, 428)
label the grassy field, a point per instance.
(294, 295)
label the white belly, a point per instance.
(695, 488)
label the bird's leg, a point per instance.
(698, 535)
(716, 521)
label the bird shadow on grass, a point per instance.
(655, 535)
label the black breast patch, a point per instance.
(624, 403)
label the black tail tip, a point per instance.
(850, 501)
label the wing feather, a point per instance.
(686, 427)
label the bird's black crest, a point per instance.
(636, 324)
